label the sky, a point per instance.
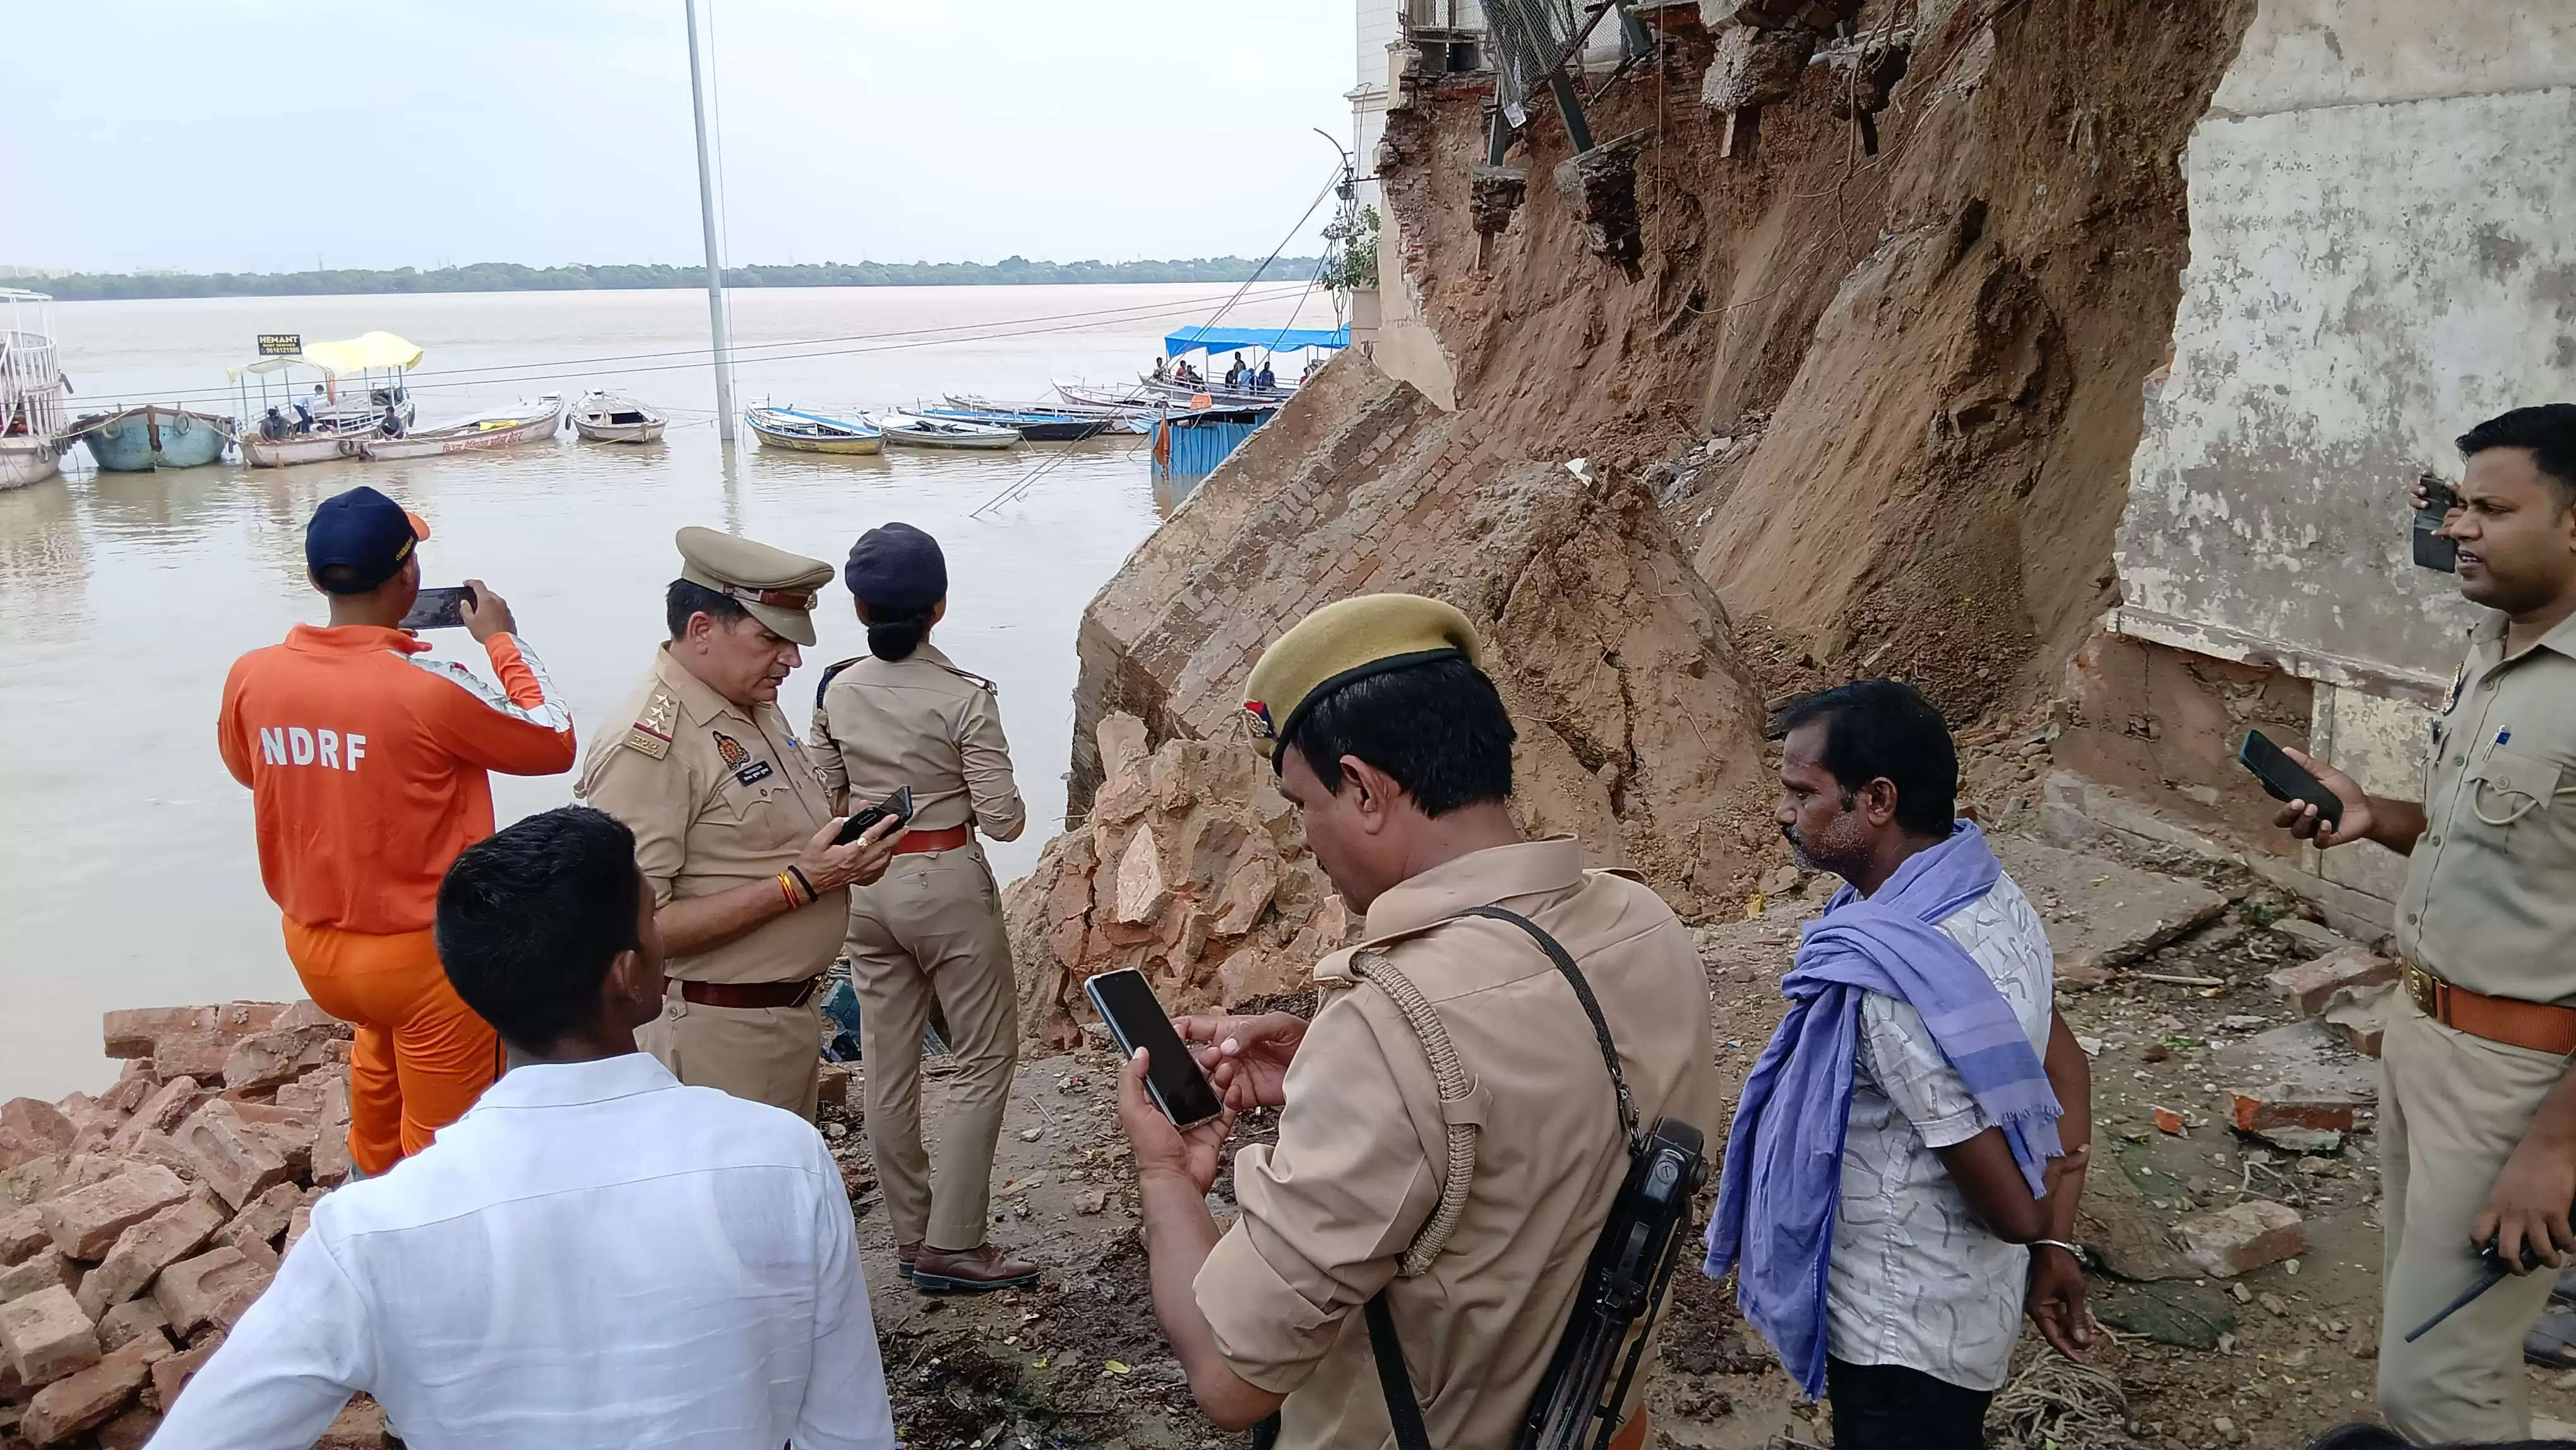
(276, 135)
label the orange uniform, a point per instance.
(367, 768)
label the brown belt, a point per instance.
(749, 995)
(2534, 1025)
(917, 842)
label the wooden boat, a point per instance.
(139, 440)
(813, 432)
(1117, 400)
(501, 428)
(918, 432)
(32, 390)
(615, 418)
(1033, 425)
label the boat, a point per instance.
(32, 390)
(1033, 425)
(1112, 399)
(813, 432)
(330, 391)
(913, 431)
(530, 422)
(153, 435)
(614, 418)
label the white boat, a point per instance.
(531, 422)
(800, 432)
(616, 418)
(32, 391)
(917, 432)
(329, 392)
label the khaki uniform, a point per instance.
(718, 796)
(2489, 904)
(931, 927)
(1362, 1148)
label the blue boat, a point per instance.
(1034, 425)
(139, 440)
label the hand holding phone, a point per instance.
(898, 805)
(2285, 779)
(1125, 1001)
(440, 608)
(2434, 501)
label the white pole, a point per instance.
(715, 260)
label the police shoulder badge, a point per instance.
(650, 735)
(1259, 714)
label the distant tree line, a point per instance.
(512, 277)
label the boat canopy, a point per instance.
(1269, 339)
(368, 351)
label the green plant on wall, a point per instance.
(1350, 252)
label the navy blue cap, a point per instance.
(359, 539)
(896, 567)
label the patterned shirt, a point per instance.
(1915, 1279)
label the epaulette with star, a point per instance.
(650, 735)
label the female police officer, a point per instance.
(903, 716)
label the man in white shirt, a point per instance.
(594, 1255)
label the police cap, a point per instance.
(776, 586)
(1343, 643)
(898, 569)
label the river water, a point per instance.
(128, 875)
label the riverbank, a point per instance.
(1014, 271)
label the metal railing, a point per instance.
(31, 386)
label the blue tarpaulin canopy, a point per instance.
(1270, 339)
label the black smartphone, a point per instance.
(1126, 1002)
(898, 804)
(442, 608)
(2432, 551)
(2285, 779)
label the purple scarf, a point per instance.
(1785, 1152)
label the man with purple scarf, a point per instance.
(1901, 1181)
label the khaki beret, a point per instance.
(776, 586)
(1345, 642)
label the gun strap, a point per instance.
(1591, 1008)
(1403, 1411)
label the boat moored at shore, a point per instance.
(32, 390)
(615, 418)
(913, 431)
(798, 432)
(531, 422)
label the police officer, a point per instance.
(732, 827)
(931, 930)
(1397, 750)
(2477, 1123)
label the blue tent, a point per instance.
(1270, 339)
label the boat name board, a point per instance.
(280, 344)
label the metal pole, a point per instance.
(715, 261)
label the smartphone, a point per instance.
(2285, 779)
(2432, 551)
(898, 805)
(442, 608)
(1126, 1002)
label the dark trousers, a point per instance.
(1892, 1407)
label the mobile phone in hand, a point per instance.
(2285, 779)
(2432, 551)
(1125, 1000)
(898, 805)
(441, 608)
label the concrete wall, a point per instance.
(2379, 259)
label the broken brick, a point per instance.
(47, 1336)
(129, 1321)
(20, 1236)
(215, 1287)
(2290, 1105)
(2169, 1121)
(199, 1055)
(331, 1160)
(357, 1427)
(233, 1158)
(158, 1148)
(262, 1219)
(146, 1249)
(241, 1019)
(271, 1059)
(38, 1124)
(68, 1406)
(171, 1375)
(48, 1268)
(128, 1094)
(2307, 986)
(159, 1113)
(135, 1032)
(2241, 1238)
(84, 1222)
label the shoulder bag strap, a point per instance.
(1591, 1008)
(1402, 1409)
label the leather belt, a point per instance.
(2537, 1026)
(918, 842)
(749, 995)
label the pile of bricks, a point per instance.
(137, 1226)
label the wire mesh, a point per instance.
(1529, 39)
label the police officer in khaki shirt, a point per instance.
(732, 827)
(903, 716)
(2477, 1122)
(1397, 751)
